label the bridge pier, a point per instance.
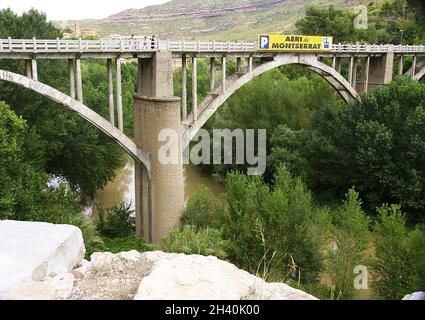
(212, 74)
(71, 74)
(184, 87)
(195, 88)
(160, 197)
(79, 80)
(379, 71)
(111, 92)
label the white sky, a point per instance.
(77, 9)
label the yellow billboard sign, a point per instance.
(274, 42)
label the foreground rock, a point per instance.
(45, 261)
(415, 296)
(35, 251)
(182, 277)
(166, 276)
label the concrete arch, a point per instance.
(83, 111)
(418, 76)
(215, 101)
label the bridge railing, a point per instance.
(142, 45)
(380, 48)
(80, 45)
(208, 46)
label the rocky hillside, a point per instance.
(202, 19)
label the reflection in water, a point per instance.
(123, 188)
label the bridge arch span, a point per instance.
(419, 75)
(83, 111)
(335, 79)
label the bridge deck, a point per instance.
(59, 48)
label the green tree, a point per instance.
(24, 194)
(73, 148)
(376, 144)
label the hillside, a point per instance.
(208, 19)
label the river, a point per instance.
(123, 188)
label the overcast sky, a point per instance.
(77, 9)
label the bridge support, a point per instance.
(379, 71)
(223, 74)
(160, 196)
(212, 74)
(119, 96)
(195, 88)
(71, 74)
(111, 92)
(184, 87)
(401, 66)
(79, 80)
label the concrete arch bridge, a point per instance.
(159, 199)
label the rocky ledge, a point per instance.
(45, 261)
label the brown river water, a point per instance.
(123, 189)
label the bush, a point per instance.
(191, 240)
(117, 245)
(116, 222)
(350, 234)
(398, 268)
(278, 222)
(203, 210)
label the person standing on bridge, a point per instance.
(153, 40)
(145, 43)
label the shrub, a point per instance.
(191, 240)
(398, 267)
(116, 222)
(278, 222)
(117, 245)
(350, 233)
(203, 210)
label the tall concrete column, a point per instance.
(414, 66)
(223, 73)
(139, 75)
(212, 73)
(381, 70)
(334, 62)
(355, 65)
(401, 66)
(339, 65)
(250, 64)
(238, 64)
(119, 96)
(184, 87)
(28, 70)
(366, 74)
(79, 80)
(351, 71)
(71, 74)
(161, 196)
(34, 69)
(111, 92)
(195, 88)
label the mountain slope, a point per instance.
(209, 19)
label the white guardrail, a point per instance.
(141, 45)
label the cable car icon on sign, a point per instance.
(326, 43)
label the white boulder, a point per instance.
(33, 251)
(183, 277)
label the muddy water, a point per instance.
(123, 188)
